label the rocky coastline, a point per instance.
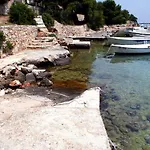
(21, 72)
(25, 70)
(22, 69)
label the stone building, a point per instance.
(4, 8)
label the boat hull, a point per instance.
(130, 50)
(133, 33)
(128, 41)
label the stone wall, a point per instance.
(19, 35)
(69, 30)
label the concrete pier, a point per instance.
(32, 122)
(80, 44)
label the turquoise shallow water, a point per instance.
(125, 95)
(125, 81)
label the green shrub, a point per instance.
(48, 20)
(2, 38)
(52, 35)
(8, 48)
(20, 14)
(95, 20)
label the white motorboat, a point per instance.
(142, 32)
(128, 40)
(130, 49)
(138, 31)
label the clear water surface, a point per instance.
(125, 96)
(125, 83)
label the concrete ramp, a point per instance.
(84, 129)
(76, 125)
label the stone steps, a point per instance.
(44, 38)
(43, 41)
(40, 23)
(38, 46)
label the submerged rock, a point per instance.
(136, 106)
(147, 139)
(148, 117)
(115, 98)
(131, 113)
(104, 105)
(133, 127)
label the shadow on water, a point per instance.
(57, 95)
(122, 58)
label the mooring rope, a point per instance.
(109, 55)
(113, 145)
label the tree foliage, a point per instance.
(2, 38)
(20, 14)
(96, 13)
(48, 20)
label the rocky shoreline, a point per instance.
(24, 69)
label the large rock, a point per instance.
(62, 61)
(9, 70)
(15, 83)
(46, 82)
(31, 66)
(30, 78)
(42, 75)
(26, 70)
(20, 76)
(38, 71)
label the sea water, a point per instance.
(125, 98)
(125, 95)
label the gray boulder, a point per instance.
(42, 75)
(46, 82)
(38, 71)
(30, 78)
(9, 70)
(26, 70)
(20, 76)
(31, 66)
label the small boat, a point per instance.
(128, 40)
(143, 32)
(130, 49)
(138, 31)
